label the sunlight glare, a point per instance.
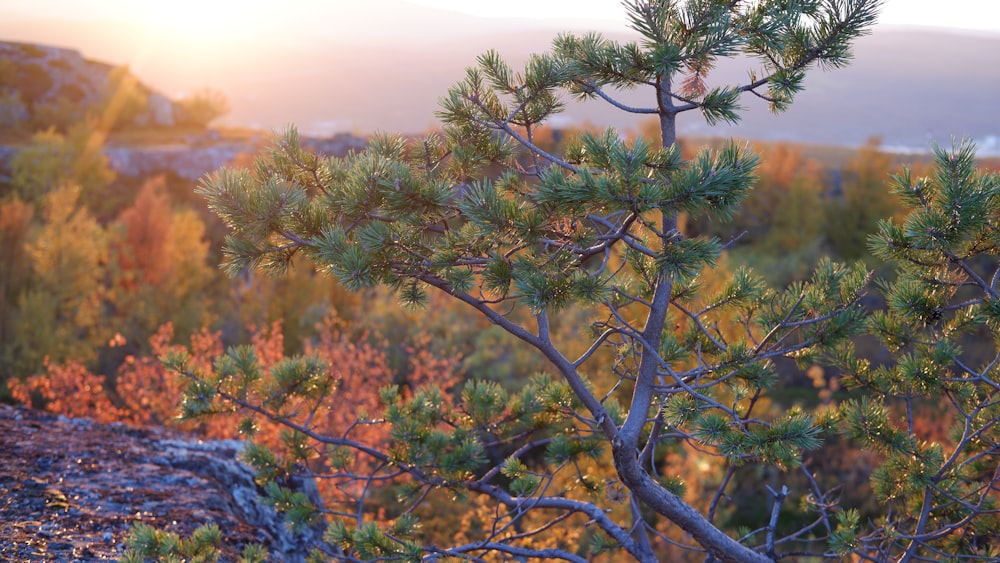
(199, 19)
(531, 9)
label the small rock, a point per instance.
(60, 546)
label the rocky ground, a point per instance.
(70, 489)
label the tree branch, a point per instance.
(592, 88)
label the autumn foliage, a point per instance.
(148, 268)
(112, 308)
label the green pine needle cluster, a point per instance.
(675, 351)
(146, 543)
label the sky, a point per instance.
(983, 15)
(197, 26)
(191, 28)
(340, 64)
(236, 16)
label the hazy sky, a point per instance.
(203, 15)
(379, 64)
(191, 28)
(967, 14)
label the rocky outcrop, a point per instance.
(186, 161)
(60, 85)
(161, 112)
(44, 73)
(337, 145)
(42, 78)
(216, 462)
(194, 159)
(70, 490)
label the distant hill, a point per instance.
(909, 86)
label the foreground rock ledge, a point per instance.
(71, 488)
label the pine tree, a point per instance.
(523, 236)
(942, 325)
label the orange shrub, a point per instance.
(68, 389)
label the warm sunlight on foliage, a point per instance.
(588, 239)
(68, 389)
(54, 160)
(611, 346)
(60, 312)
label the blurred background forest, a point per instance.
(104, 271)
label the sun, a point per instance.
(186, 38)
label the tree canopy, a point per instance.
(655, 351)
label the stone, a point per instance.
(114, 475)
(162, 110)
(13, 112)
(43, 74)
(186, 161)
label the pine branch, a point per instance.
(592, 87)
